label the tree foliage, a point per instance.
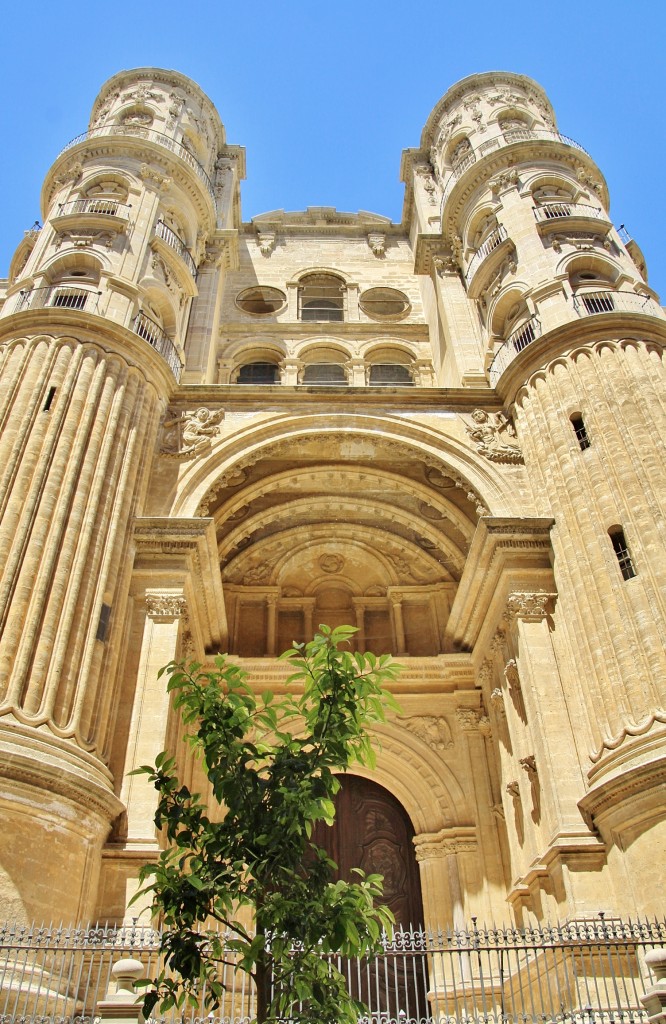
(271, 763)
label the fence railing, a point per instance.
(176, 243)
(495, 238)
(58, 296)
(606, 301)
(583, 972)
(556, 210)
(506, 138)
(150, 135)
(157, 338)
(519, 339)
(106, 207)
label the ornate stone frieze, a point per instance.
(494, 436)
(164, 605)
(188, 435)
(83, 239)
(432, 729)
(445, 843)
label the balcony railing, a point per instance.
(519, 339)
(554, 211)
(58, 296)
(151, 136)
(157, 338)
(105, 207)
(580, 972)
(164, 232)
(495, 238)
(591, 303)
(507, 138)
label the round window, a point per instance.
(384, 303)
(261, 301)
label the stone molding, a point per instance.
(530, 607)
(163, 606)
(446, 842)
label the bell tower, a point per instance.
(102, 320)
(535, 288)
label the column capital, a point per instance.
(445, 843)
(531, 607)
(165, 605)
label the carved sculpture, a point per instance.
(190, 434)
(494, 436)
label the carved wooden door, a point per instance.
(373, 832)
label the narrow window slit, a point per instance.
(49, 400)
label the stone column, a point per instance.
(398, 622)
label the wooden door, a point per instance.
(373, 832)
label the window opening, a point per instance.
(622, 553)
(324, 373)
(390, 373)
(49, 400)
(321, 299)
(258, 373)
(580, 431)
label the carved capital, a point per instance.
(468, 719)
(527, 606)
(445, 843)
(152, 177)
(165, 606)
(506, 180)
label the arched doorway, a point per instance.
(372, 831)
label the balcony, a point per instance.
(492, 242)
(150, 135)
(81, 297)
(171, 239)
(158, 339)
(94, 207)
(59, 296)
(593, 303)
(519, 339)
(509, 138)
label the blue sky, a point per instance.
(325, 96)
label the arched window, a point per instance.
(390, 374)
(622, 553)
(321, 298)
(258, 373)
(324, 373)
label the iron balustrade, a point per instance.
(157, 338)
(494, 239)
(58, 296)
(507, 138)
(553, 211)
(106, 207)
(169, 236)
(580, 972)
(606, 301)
(150, 135)
(519, 339)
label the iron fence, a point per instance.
(581, 972)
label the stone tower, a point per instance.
(449, 432)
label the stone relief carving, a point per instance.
(585, 178)
(186, 435)
(433, 730)
(445, 265)
(584, 242)
(494, 436)
(257, 574)
(266, 241)
(141, 94)
(331, 563)
(529, 606)
(70, 174)
(507, 179)
(165, 606)
(85, 239)
(148, 174)
(513, 789)
(468, 719)
(528, 765)
(427, 180)
(377, 243)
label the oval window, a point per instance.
(261, 300)
(384, 303)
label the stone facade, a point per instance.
(448, 432)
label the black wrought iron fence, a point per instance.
(583, 972)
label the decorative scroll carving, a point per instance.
(161, 605)
(70, 174)
(257, 574)
(532, 607)
(494, 436)
(427, 180)
(584, 242)
(331, 563)
(515, 689)
(189, 434)
(432, 730)
(498, 641)
(83, 239)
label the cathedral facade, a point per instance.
(447, 432)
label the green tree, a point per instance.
(272, 764)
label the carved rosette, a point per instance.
(164, 607)
(468, 719)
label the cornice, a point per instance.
(303, 397)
